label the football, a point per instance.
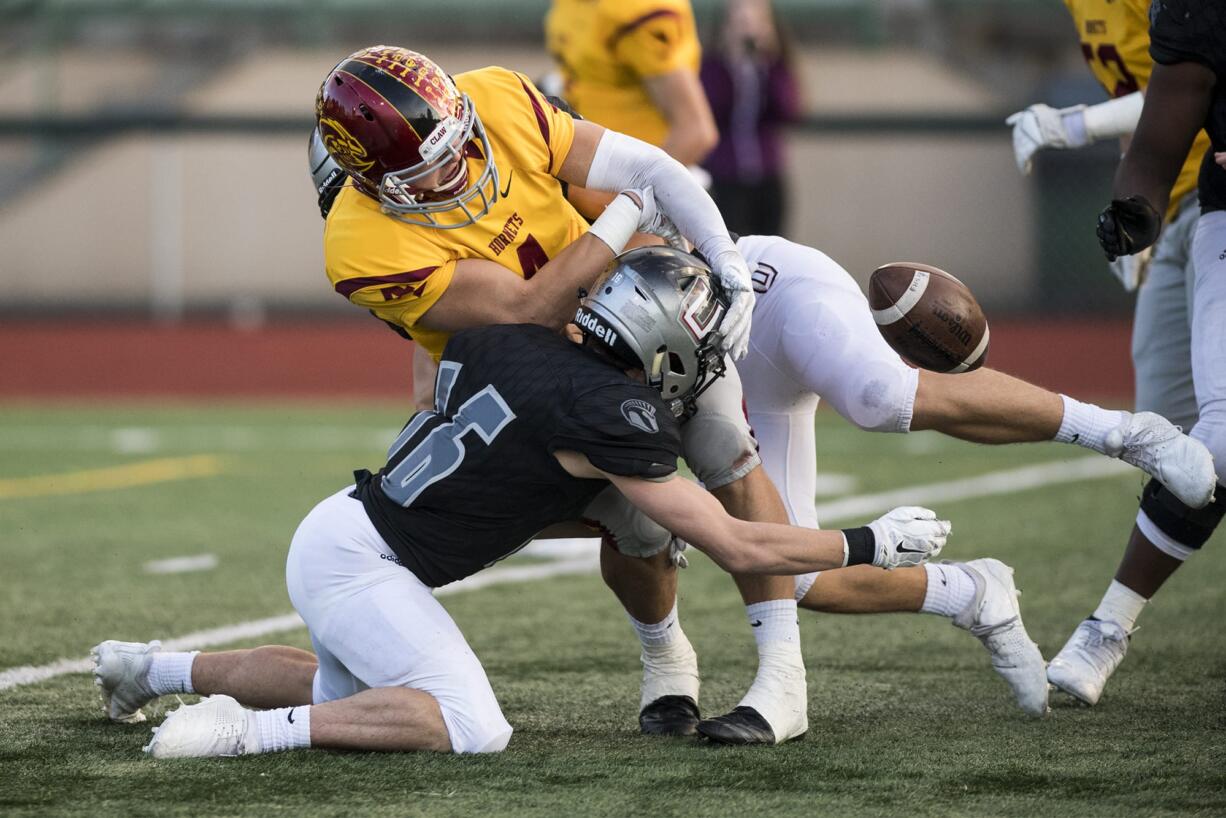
(928, 317)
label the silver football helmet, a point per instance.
(659, 309)
(327, 176)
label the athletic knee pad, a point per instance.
(628, 530)
(1173, 527)
(718, 449)
(881, 397)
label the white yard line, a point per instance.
(181, 565)
(981, 485)
(32, 674)
(581, 557)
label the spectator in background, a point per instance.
(751, 85)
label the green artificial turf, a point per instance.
(906, 716)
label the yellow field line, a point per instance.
(110, 478)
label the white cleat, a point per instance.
(774, 710)
(121, 672)
(995, 619)
(217, 727)
(1085, 663)
(1158, 447)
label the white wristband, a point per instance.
(618, 222)
(1114, 118)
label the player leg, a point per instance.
(978, 596)
(1178, 338)
(638, 562)
(394, 672)
(720, 450)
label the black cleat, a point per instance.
(670, 716)
(744, 725)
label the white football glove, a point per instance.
(1131, 270)
(652, 220)
(909, 535)
(1041, 126)
(733, 274)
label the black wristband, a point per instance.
(861, 545)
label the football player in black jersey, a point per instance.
(1186, 93)
(528, 428)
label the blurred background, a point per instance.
(154, 188)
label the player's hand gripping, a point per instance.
(733, 274)
(1041, 126)
(909, 535)
(1128, 226)
(652, 220)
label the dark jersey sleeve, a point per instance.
(1188, 31)
(622, 430)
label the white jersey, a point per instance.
(813, 337)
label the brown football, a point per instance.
(928, 317)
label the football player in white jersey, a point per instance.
(814, 337)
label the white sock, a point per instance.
(780, 666)
(286, 728)
(774, 622)
(1086, 424)
(950, 590)
(658, 634)
(1121, 605)
(171, 673)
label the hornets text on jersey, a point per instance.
(472, 481)
(606, 48)
(1114, 38)
(398, 271)
(1195, 31)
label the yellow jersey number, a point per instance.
(1109, 57)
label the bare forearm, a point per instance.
(551, 296)
(768, 548)
(1175, 104)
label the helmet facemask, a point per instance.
(403, 198)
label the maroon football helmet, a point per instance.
(402, 130)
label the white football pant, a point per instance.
(813, 338)
(374, 624)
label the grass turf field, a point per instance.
(905, 715)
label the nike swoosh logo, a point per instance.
(510, 176)
(757, 623)
(902, 550)
(290, 716)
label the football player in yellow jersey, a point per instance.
(454, 216)
(632, 65)
(1115, 41)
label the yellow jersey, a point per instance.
(606, 48)
(398, 270)
(1115, 42)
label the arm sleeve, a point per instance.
(656, 41)
(622, 162)
(621, 431)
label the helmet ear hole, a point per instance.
(675, 364)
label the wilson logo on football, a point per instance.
(343, 146)
(641, 415)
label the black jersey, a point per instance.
(1195, 31)
(474, 480)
